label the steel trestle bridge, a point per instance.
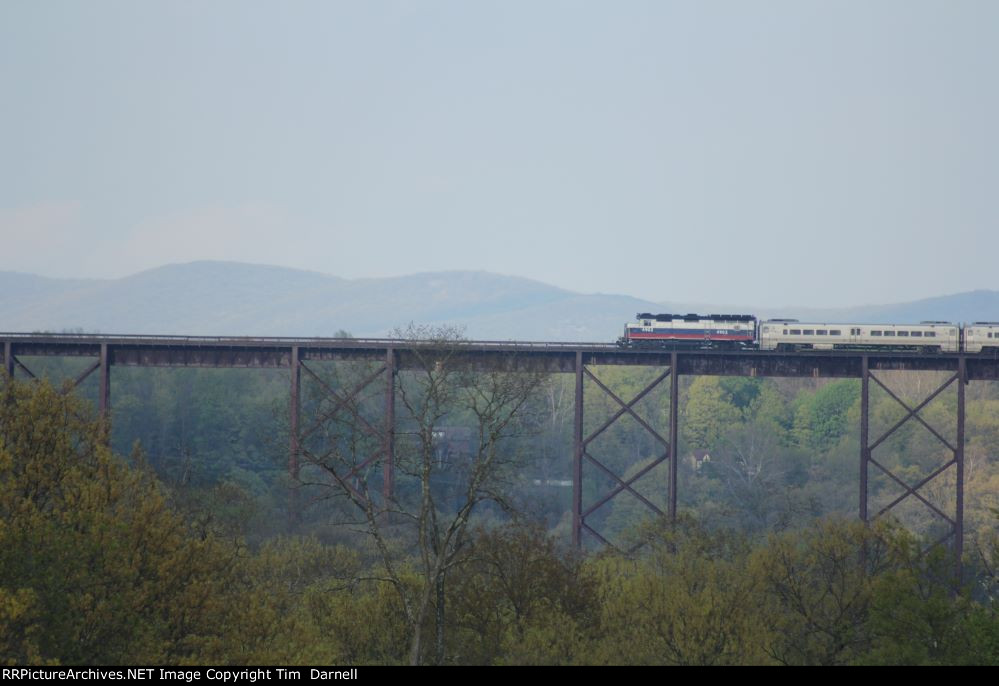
(394, 355)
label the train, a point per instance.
(748, 332)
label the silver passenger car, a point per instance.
(981, 337)
(789, 335)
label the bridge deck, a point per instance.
(276, 352)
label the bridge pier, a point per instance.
(294, 409)
(912, 491)
(388, 468)
(104, 369)
(674, 415)
(582, 454)
(577, 456)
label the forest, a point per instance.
(173, 533)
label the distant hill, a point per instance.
(225, 298)
(228, 298)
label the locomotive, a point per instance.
(747, 332)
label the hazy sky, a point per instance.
(767, 153)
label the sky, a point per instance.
(767, 153)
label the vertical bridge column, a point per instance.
(962, 381)
(674, 405)
(8, 358)
(577, 457)
(294, 407)
(865, 453)
(388, 468)
(105, 390)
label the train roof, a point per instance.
(797, 322)
(691, 317)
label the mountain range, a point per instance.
(229, 298)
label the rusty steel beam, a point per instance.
(627, 406)
(23, 367)
(294, 410)
(597, 535)
(342, 401)
(959, 458)
(577, 456)
(674, 415)
(104, 402)
(624, 408)
(910, 491)
(911, 413)
(388, 469)
(625, 485)
(86, 373)
(922, 482)
(865, 451)
(210, 357)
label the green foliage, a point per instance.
(687, 601)
(708, 412)
(94, 566)
(769, 408)
(742, 392)
(821, 418)
(818, 590)
(517, 598)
